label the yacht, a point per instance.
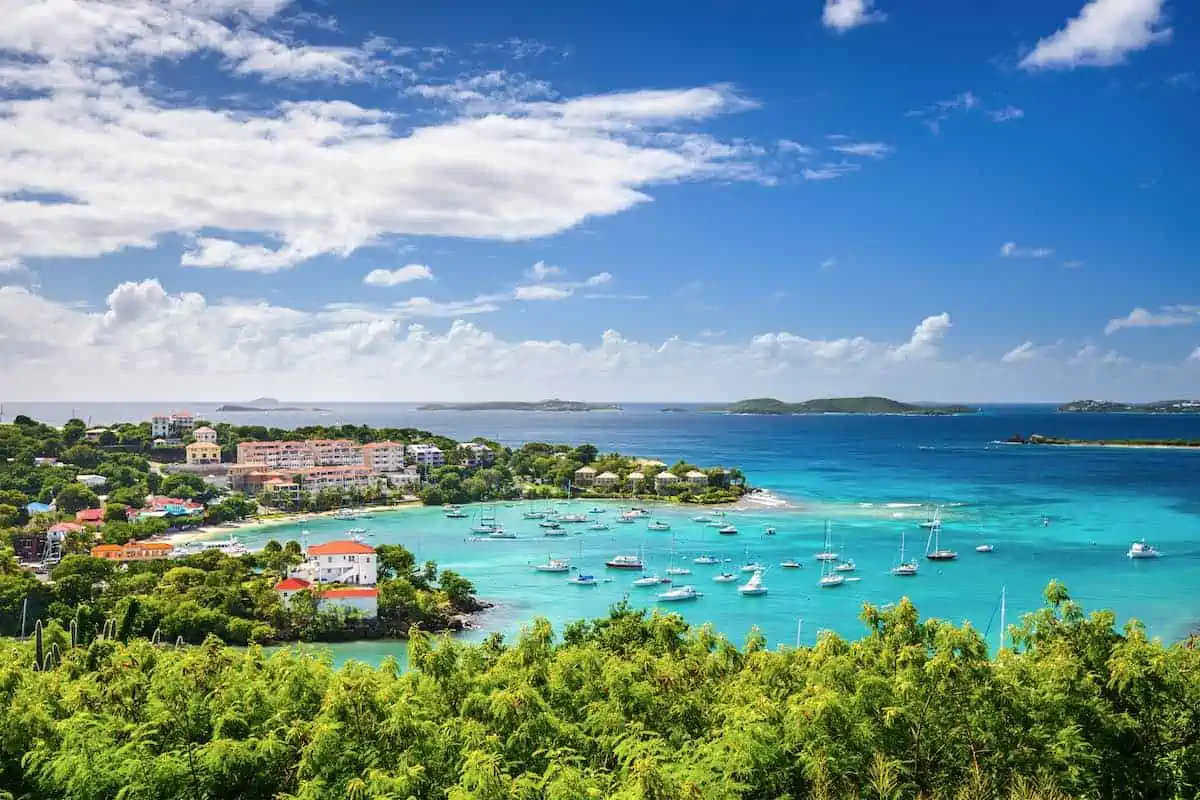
(549, 524)
(1142, 550)
(485, 528)
(905, 569)
(935, 522)
(356, 532)
(572, 518)
(753, 587)
(753, 566)
(625, 562)
(597, 526)
(553, 565)
(830, 578)
(596, 510)
(933, 547)
(846, 566)
(984, 548)
(791, 564)
(344, 513)
(727, 530)
(678, 571)
(455, 513)
(702, 518)
(628, 518)
(230, 547)
(500, 533)
(583, 580)
(647, 580)
(828, 553)
(706, 560)
(679, 594)
(770, 531)
(531, 515)
(658, 526)
(725, 577)
(554, 532)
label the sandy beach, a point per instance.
(270, 521)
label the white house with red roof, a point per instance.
(341, 562)
(364, 599)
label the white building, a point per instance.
(175, 425)
(364, 599)
(205, 435)
(585, 476)
(404, 480)
(697, 478)
(607, 479)
(635, 479)
(665, 479)
(340, 562)
(425, 455)
(384, 457)
(476, 454)
(92, 481)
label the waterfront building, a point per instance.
(425, 455)
(277, 455)
(383, 457)
(404, 480)
(336, 452)
(607, 480)
(364, 599)
(635, 479)
(203, 453)
(475, 454)
(585, 476)
(664, 479)
(697, 478)
(340, 562)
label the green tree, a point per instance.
(83, 456)
(116, 512)
(10, 516)
(394, 561)
(73, 430)
(75, 497)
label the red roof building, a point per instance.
(350, 591)
(342, 548)
(64, 527)
(90, 516)
(292, 585)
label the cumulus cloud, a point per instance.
(394, 277)
(843, 15)
(1166, 317)
(1104, 34)
(541, 292)
(541, 270)
(925, 339)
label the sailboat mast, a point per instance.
(799, 628)
(1003, 609)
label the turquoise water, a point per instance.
(865, 475)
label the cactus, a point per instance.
(39, 655)
(156, 637)
(55, 654)
(179, 641)
(74, 634)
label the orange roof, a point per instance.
(152, 545)
(339, 549)
(350, 592)
(292, 585)
(376, 445)
(107, 548)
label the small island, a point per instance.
(673, 410)
(502, 405)
(841, 405)
(263, 404)
(1111, 407)
(1037, 438)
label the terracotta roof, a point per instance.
(65, 527)
(203, 429)
(292, 585)
(339, 549)
(107, 548)
(350, 592)
(90, 515)
(151, 545)
(376, 445)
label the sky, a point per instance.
(223, 199)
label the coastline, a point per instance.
(260, 523)
(1111, 445)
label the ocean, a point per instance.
(872, 477)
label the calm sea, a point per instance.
(868, 475)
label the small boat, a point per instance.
(702, 518)
(706, 560)
(647, 580)
(597, 526)
(572, 518)
(727, 530)
(549, 524)
(678, 571)
(658, 526)
(846, 566)
(456, 514)
(357, 532)
(830, 578)
(769, 531)
(359, 538)
(596, 510)
(984, 548)
(716, 523)
(583, 580)
(344, 513)
(553, 565)
(905, 569)
(725, 577)
(753, 587)
(624, 562)
(485, 528)
(625, 519)
(828, 553)
(554, 532)
(500, 533)
(679, 594)
(753, 566)
(1142, 550)
(531, 515)
(935, 522)
(791, 564)
(933, 547)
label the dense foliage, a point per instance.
(624, 707)
(230, 597)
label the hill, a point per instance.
(1110, 407)
(840, 405)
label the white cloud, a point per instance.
(868, 149)
(1195, 356)
(1104, 33)
(1166, 317)
(1022, 352)
(541, 292)
(223, 253)
(1011, 250)
(925, 339)
(842, 15)
(829, 263)
(830, 171)
(395, 277)
(794, 148)
(1076, 264)
(561, 290)
(932, 116)
(599, 279)
(541, 270)
(1005, 114)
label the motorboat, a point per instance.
(753, 566)
(500, 533)
(625, 562)
(753, 587)
(658, 526)
(727, 530)
(596, 510)
(846, 566)
(647, 580)
(679, 594)
(625, 519)
(583, 580)
(985, 548)
(455, 513)
(706, 560)
(769, 531)
(344, 514)
(356, 532)
(678, 571)
(553, 565)
(531, 515)
(725, 577)
(572, 518)
(716, 523)
(597, 526)
(702, 518)
(827, 552)
(791, 564)
(905, 569)
(485, 528)
(1142, 550)
(549, 524)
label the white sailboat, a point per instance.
(725, 577)
(828, 553)
(680, 593)
(933, 546)
(934, 522)
(908, 568)
(830, 578)
(672, 569)
(706, 559)
(553, 565)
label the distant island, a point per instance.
(672, 410)
(1037, 438)
(501, 405)
(1110, 407)
(264, 404)
(841, 405)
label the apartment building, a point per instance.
(381, 457)
(425, 455)
(475, 454)
(175, 425)
(277, 455)
(336, 452)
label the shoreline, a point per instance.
(1111, 445)
(260, 523)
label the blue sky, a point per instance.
(954, 201)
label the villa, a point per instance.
(172, 427)
(664, 479)
(205, 434)
(476, 454)
(383, 457)
(585, 476)
(203, 453)
(92, 435)
(340, 562)
(635, 479)
(362, 599)
(425, 455)
(91, 481)
(606, 480)
(133, 551)
(697, 478)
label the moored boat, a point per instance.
(827, 552)
(625, 562)
(658, 526)
(905, 569)
(583, 580)
(553, 565)
(725, 577)
(753, 587)
(679, 594)
(791, 563)
(706, 560)
(1142, 550)
(727, 530)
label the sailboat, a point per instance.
(905, 568)
(753, 587)
(828, 554)
(936, 521)
(830, 577)
(553, 565)
(748, 565)
(933, 546)
(674, 570)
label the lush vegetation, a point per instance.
(501, 405)
(1037, 438)
(629, 707)
(232, 598)
(1110, 407)
(841, 405)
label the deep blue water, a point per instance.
(864, 473)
